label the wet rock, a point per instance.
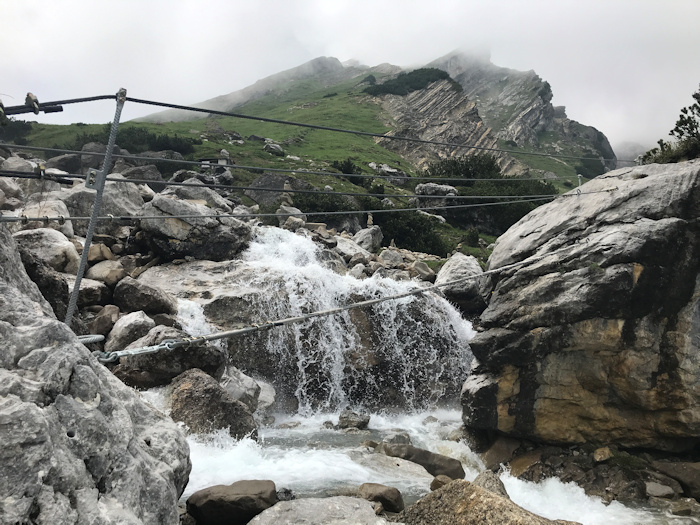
(657, 490)
(132, 295)
(465, 293)
(687, 474)
(434, 463)
(463, 503)
(320, 511)
(389, 497)
(350, 419)
(157, 369)
(500, 452)
(490, 481)
(234, 504)
(241, 387)
(440, 481)
(397, 438)
(197, 399)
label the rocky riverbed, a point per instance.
(584, 369)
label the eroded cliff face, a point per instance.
(440, 113)
(598, 341)
(517, 106)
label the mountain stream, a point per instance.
(417, 335)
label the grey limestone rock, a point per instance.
(77, 445)
(594, 337)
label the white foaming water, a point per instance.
(408, 352)
(314, 461)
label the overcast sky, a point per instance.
(623, 66)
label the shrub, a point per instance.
(405, 83)
(686, 135)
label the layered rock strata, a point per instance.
(596, 339)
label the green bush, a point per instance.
(495, 219)
(412, 231)
(686, 135)
(405, 83)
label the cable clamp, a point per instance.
(25, 219)
(45, 219)
(578, 192)
(112, 218)
(61, 220)
(91, 178)
(42, 171)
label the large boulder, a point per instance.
(594, 338)
(197, 191)
(48, 208)
(181, 228)
(202, 404)
(159, 368)
(147, 174)
(234, 504)
(120, 199)
(133, 295)
(461, 272)
(369, 238)
(464, 503)
(51, 247)
(128, 329)
(389, 497)
(77, 445)
(436, 464)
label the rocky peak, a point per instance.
(517, 105)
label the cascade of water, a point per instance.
(406, 353)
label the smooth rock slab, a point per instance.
(435, 464)
(339, 510)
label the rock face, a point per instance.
(597, 341)
(463, 503)
(77, 445)
(517, 106)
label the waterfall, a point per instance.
(410, 353)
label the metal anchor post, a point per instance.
(98, 183)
